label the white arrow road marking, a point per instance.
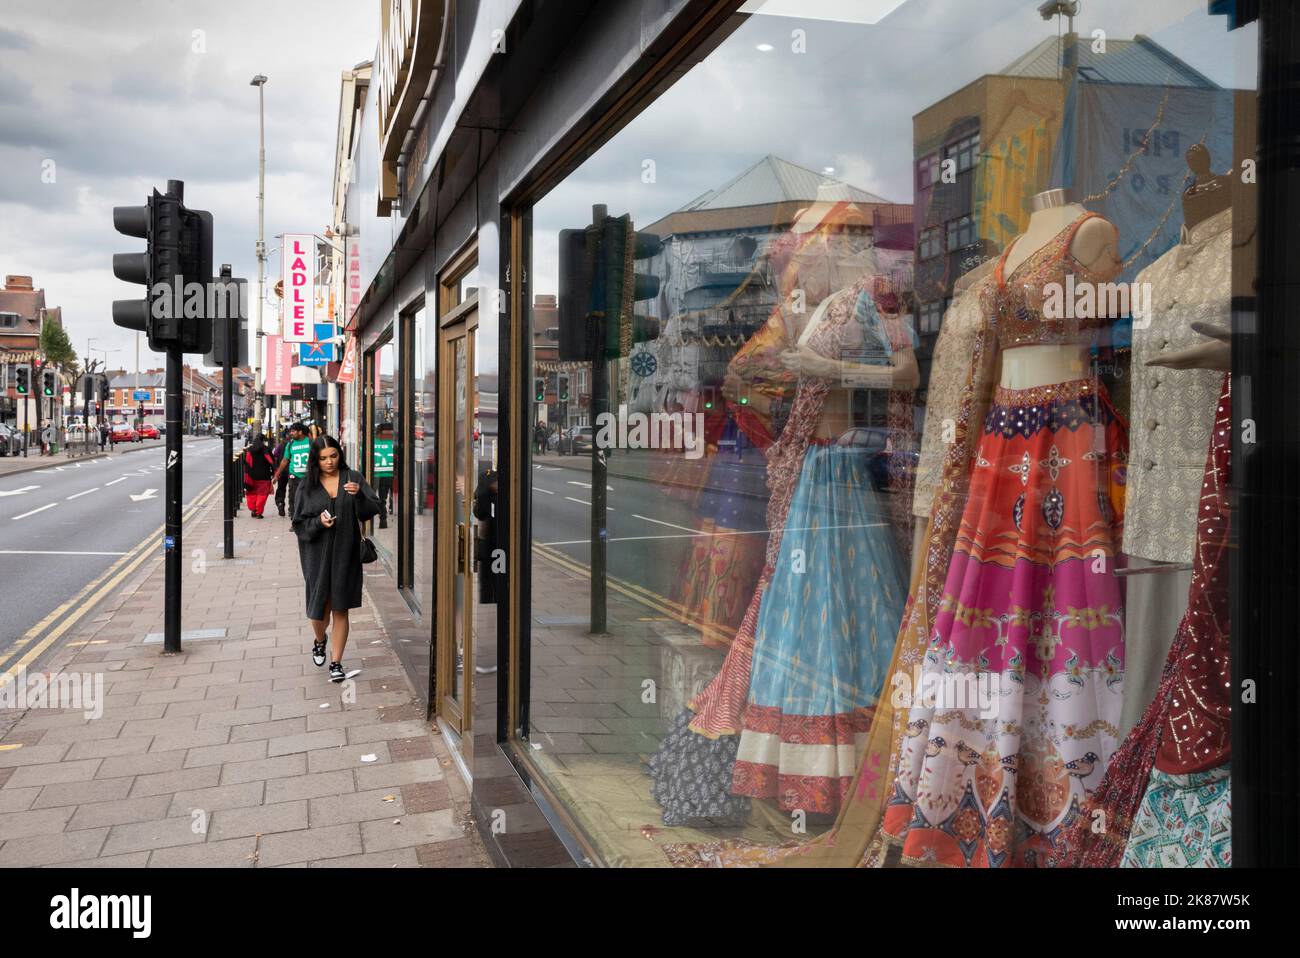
(147, 494)
(34, 511)
(115, 481)
(17, 492)
(86, 493)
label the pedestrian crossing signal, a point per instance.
(23, 383)
(539, 389)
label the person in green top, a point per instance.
(296, 452)
(383, 460)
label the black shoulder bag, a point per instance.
(368, 552)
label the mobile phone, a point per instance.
(326, 515)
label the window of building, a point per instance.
(927, 171)
(961, 232)
(965, 151)
(929, 243)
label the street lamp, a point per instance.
(259, 81)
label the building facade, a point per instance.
(675, 643)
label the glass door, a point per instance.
(455, 636)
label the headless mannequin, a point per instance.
(1094, 245)
(1207, 196)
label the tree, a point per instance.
(58, 349)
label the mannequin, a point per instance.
(1094, 246)
(1174, 396)
(1031, 609)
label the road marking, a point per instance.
(51, 552)
(670, 525)
(10, 747)
(147, 494)
(574, 482)
(85, 600)
(116, 481)
(18, 492)
(86, 493)
(34, 511)
(570, 498)
(540, 489)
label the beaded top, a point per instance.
(1015, 303)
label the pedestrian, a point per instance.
(539, 438)
(294, 459)
(383, 450)
(103, 436)
(258, 467)
(327, 515)
(281, 479)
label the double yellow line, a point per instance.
(655, 601)
(48, 631)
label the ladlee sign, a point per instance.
(299, 287)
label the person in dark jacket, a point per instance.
(282, 478)
(327, 514)
(258, 468)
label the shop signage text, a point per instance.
(299, 287)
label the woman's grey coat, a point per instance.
(331, 557)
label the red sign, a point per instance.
(348, 368)
(279, 362)
(299, 287)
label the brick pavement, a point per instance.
(237, 752)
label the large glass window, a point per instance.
(384, 451)
(424, 455)
(846, 550)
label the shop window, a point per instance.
(756, 534)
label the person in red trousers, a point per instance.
(258, 468)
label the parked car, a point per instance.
(122, 432)
(581, 439)
(11, 441)
(149, 431)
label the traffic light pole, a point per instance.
(599, 409)
(228, 326)
(172, 529)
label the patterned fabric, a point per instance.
(1017, 300)
(962, 324)
(685, 773)
(1031, 627)
(1172, 409)
(823, 640)
(716, 713)
(1184, 821)
(1010, 171)
(1193, 687)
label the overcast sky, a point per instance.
(124, 95)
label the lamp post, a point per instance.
(259, 81)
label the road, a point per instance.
(63, 525)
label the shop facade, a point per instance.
(900, 514)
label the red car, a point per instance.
(122, 432)
(149, 431)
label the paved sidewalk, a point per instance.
(238, 751)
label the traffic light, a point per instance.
(175, 269)
(563, 388)
(598, 279)
(23, 380)
(47, 382)
(539, 389)
(624, 286)
(103, 390)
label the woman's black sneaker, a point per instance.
(318, 653)
(336, 672)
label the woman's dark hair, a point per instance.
(313, 459)
(255, 444)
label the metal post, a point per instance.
(172, 542)
(228, 326)
(259, 371)
(599, 407)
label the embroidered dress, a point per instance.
(824, 638)
(1021, 684)
(1166, 797)
(692, 769)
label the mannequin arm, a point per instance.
(1214, 353)
(903, 373)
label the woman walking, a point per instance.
(327, 515)
(258, 467)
